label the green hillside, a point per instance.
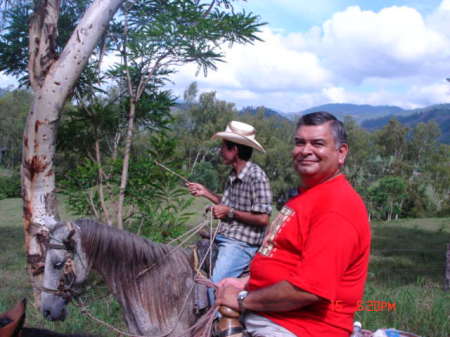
(437, 113)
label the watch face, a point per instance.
(241, 297)
(243, 294)
(231, 213)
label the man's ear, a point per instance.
(342, 153)
(235, 149)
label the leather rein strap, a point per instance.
(65, 283)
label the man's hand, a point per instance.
(196, 189)
(227, 296)
(228, 289)
(220, 211)
(233, 282)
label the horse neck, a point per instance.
(112, 252)
(149, 280)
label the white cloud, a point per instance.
(429, 94)
(6, 81)
(393, 42)
(266, 66)
(444, 6)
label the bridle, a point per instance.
(68, 278)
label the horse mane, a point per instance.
(122, 258)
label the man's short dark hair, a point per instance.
(322, 117)
(244, 151)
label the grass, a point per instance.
(406, 270)
(14, 281)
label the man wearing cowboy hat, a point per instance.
(245, 206)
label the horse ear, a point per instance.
(71, 233)
(68, 242)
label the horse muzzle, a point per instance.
(54, 307)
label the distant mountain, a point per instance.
(370, 117)
(439, 113)
(375, 117)
(268, 112)
(357, 111)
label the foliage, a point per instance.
(156, 203)
(160, 201)
(10, 186)
(103, 118)
(14, 38)
(78, 185)
(387, 197)
(14, 106)
(205, 173)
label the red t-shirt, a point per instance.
(320, 243)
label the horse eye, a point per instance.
(58, 265)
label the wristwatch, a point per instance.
(230, 214)
(242, 295)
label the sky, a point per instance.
(379, 52)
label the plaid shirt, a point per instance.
(248, 192)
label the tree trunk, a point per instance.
(105, 212)
(126, 162)
(52, 81)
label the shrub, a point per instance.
(10, 186)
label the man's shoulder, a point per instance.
(336, 195)
(254, 170)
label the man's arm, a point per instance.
(279, 297)
(255, 219)
(198, 190)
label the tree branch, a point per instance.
(42, 41)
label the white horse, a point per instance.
(152, 282)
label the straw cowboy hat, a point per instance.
(241, 133)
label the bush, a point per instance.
(10, 186)
(205, 173)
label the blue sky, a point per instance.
(300, 15)
(337, 51)
(379, 52)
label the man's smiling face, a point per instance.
(316, 156)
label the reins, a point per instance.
(68, 245)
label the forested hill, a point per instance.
(372, 117)
(266, 111)
(357, 111)
(438, 113)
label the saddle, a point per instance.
(206, 252)
(11, 322)
(205, 255)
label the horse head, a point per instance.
(66, 268)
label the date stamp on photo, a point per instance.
(369, 305)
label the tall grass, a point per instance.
(406, 270)
(15, 285)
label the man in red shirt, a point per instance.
(309, 274)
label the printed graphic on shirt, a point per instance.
(268, 245)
